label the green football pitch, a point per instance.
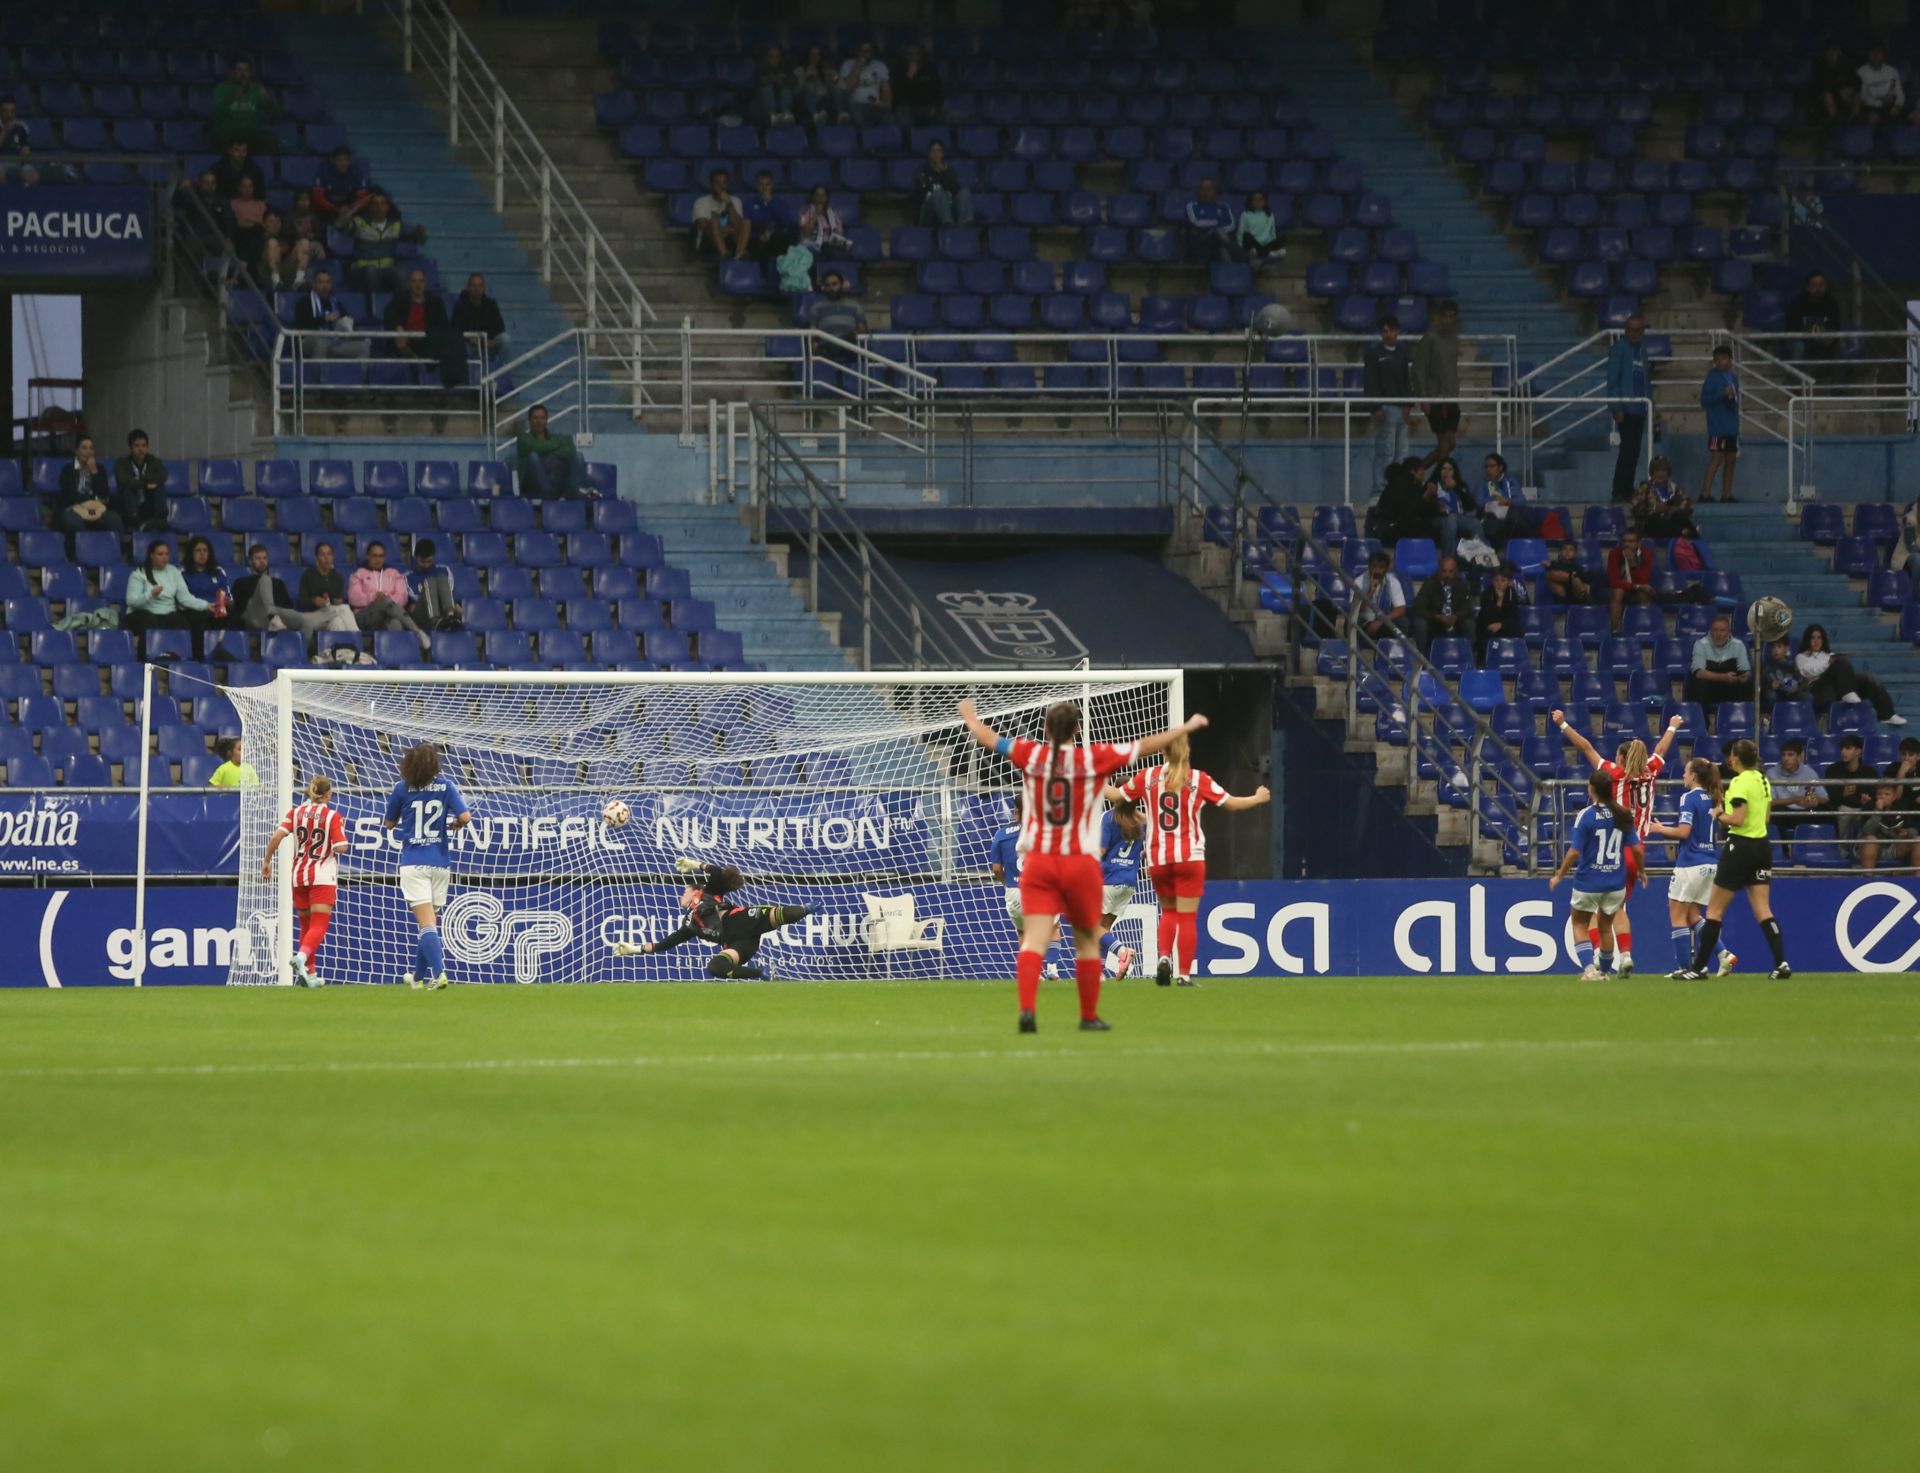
(1439, 1224)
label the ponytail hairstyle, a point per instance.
(319, 790)
(1632, 757)
(1127, 818)
(1179, 765)
(1707, 774)
(1746, 754)
(1601, 786)
(1063, 725)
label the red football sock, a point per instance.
(1169, 929)
(1086, 975)
(1622, 938)
(1189, 940)
(315, 933)
(1026, 972)
(1593, 939)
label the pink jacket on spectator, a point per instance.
(366, 585)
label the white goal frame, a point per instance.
(289, 681)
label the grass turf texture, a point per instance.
(1324, 1225)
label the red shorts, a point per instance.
(1182, 881)
(1633, 867)
(1062, 884)
(305, 897)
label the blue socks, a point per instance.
(1583, 954)
(1683, 947)
(1107, 942)
(429, 955)
(1605, 960)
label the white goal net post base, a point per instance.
(858, 796)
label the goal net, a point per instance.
(860, 797)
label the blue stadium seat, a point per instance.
(332, 478)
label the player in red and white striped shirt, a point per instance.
(1060, 842)
(319, 837)
(1171, 797)
(1634, 775)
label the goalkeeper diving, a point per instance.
(713, 916)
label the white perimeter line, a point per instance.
(868, 1056)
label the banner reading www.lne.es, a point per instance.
(82, 937)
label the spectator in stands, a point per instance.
(378, 595)
(1628, 383)
(378, 233)
(234, 770)
(249, 222)
(1455, 513)
(1906, 767)
(207, 216)
(718, 224)
(1721, 670)
(1780, 678)
(429, 336)
(262, 601)
(549, 465)
(432, 588)
(773, 91)
(837, 314)
(1906, 552)
(822, 231)
(140, 483)
(1831, 678)
(1836, 86)
(1443, 607)
(1720, 397)
(1406, 508)
(1815, 310)
(1629, 577)
(1387, 597)
(938, 197)
(1386, 371)
(1851, 784)
(1436, 380)
(341, 184)
(1883, 98)
(235, 165)
(1796, 795)
(1499, 616)
(770, 222)
(1504, 510)
(15, 139)
(303, 221)
(242, 110)
(318, 311)
(1660, 508)
(279, 269)
(323, 595)
(1567, 580)
(207, 580)
(158, 598)
(817, 89)
(868, 87)
(1259, 233)
(87, 502)
(1209, 226)
(477, 315)
(918, 98)
(1889, 825)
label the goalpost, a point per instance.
(859, 796)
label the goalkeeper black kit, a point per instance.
(735, 928)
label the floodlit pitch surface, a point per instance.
(1473, 1224)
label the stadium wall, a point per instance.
(149, 364)
(70, 938)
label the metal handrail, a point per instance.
(1802, 408)
(786, 491)
(481, 116)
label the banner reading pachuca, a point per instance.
(87, 231)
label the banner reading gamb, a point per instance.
(84, 231)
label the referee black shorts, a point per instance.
(1745, 861)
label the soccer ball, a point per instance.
(1770, 619)
(615, 814)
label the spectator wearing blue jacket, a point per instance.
(1720, 397)
(1628, 382)
(1209, 227)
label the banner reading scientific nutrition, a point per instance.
(77, 231)
(84, 937)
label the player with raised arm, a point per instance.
(1602, 835)
(427, 809)
(1633, 774)
(1059, 843)
(1746, 863)
(712, 915)
(1694, 861)
(319, 837)
(1172, 796)
(1122, 832)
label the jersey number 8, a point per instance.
(1169, 812)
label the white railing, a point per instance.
(1803, 409)
(570, 249)
(300, 389)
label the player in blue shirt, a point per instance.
(427, 809)
(1122, 832)
(1695, 858)
(1602, 834)
(1003, 858)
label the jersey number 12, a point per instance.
(426, 821)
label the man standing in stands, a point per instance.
(242, 109)
(1436, 381)
(549, 464)
(1629, 384)
(477, 315)
(1386, 369)
(140, 480)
